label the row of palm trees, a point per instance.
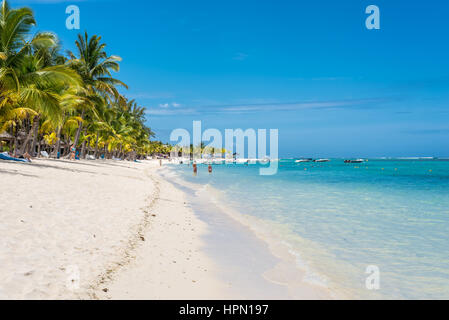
(50, 101)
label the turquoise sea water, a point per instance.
(340, 218)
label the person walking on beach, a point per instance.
(195, 169)
(209, 169)
(72, 152)
(160, 163)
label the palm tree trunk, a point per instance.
(83, 146)
(35, 134)
(87, 147)
(12, 142)
(96, 146)
(85, 150)
(15, 146)
(58, 142)
(66, 145)
(30, 133)
(78, 132)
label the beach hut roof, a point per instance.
(6, 136)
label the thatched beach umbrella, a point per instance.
(5, 136)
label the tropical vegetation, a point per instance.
(51, 100)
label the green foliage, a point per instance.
(72, 98)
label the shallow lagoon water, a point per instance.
(341, 218)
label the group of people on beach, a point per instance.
(25, 157)
(195, 168)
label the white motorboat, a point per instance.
(355, 161)
(303, 160)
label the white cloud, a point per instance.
(168, 112)
(165, 109)
(168, 105)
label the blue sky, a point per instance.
(308, 68)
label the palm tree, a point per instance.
(45, 95)
(94, 66)
(25, 77)
(70, 102)
(14, 28)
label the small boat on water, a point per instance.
(355, 161)
(321, 160)
(265, 160)
(303, 160)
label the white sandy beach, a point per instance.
(114, 230)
